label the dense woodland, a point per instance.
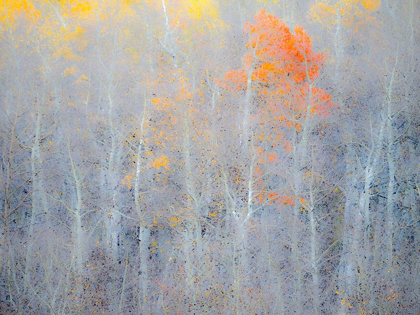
(209, 157)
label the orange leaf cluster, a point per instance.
(273, 197)
(284, 68)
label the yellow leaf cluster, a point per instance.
(127, 181)
(156, 100)
(94, 10)
(65, 41)
(202, 13)
(161, 161)
(11, 9)
(81, 9)
(371, 5)
(328, 12)
(268, 1)
(82, 78)
(174, 221)
(68, 71)
(154, 247)
(199, 8)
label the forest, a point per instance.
(209, 157)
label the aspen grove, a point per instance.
(209, 157)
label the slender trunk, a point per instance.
(188, 267)
(78, 233)
(34, 206)
(275, 276)
(13, 286)
(113, 217)
(392, 172)
(338, 54)
(144, 240)
(391, 191)
(144, 230)
(296, 229)
(247, 109)
(370, 171)
(191, 187)
(352, 232)
(237, 276)
(314, 244)
(124, 284)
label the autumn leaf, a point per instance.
(329, 13)
(161, 161)
(371, 5)
(284, 69)
(127, 181)
(10, 10)
(174, 221)
(272, 157)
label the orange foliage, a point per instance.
(281, 53)
(234, 79)
(272, 197)
(272, 157)
(284, 70)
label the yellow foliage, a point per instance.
(81, 9)
(198, 8)
(68, 71)
(127, 181)
(156, 100)
(64, 41)
(174, 221)
(160, 162)
(202, 14)
(154, 246)
(371, 5)
(11, 9)
(328, 12)
(94, 10)
(82, 78)
(268, 1)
